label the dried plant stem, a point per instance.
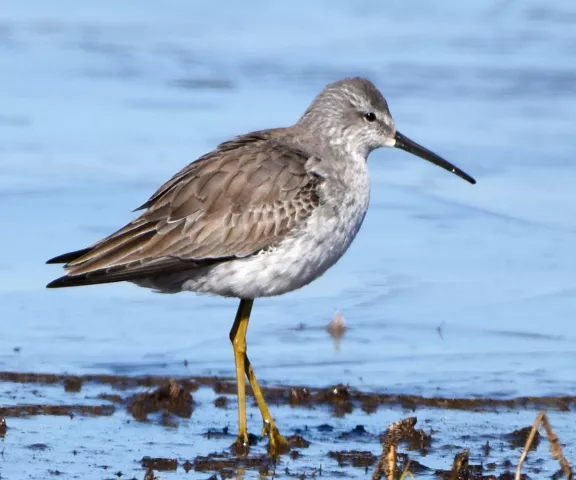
(555, 448)
(460, 465)
(386, 466)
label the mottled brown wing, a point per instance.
(233, 202)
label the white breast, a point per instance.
(304, 256)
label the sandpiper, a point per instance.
(261, 215)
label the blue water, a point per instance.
(449, 288)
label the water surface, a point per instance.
(448, 289)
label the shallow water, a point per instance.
(115, 445)
(449, 289)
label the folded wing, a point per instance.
(243, 197)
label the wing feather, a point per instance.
(245, 196)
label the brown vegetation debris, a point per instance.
(159, 463)
(355, 458)
(64, 410)
(222, 462)
(171, 397)
(72, 384)
(296, 441)
(518, 438)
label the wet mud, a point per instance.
(340, 397)
(171, 399)
(446, 438)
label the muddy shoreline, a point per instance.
(343, 398)
(162, 402)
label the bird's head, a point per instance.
(352, 114)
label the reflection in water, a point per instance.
(336, 329)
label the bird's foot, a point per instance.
(277, 444)
(241, 445)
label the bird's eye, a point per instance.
(370, 117)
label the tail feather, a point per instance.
(126, 272)
(70, 256)
(77, 281)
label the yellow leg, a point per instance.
(277, 444)
(238, 339)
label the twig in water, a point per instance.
(555, 448)
(460, 465)
(387, 463)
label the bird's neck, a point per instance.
(331, 139)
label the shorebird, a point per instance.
(261, 215)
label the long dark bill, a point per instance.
(409, 146)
